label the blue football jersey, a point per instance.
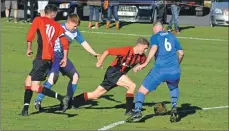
(74, 35)
(166, 55)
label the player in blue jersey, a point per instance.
(165, 47)
(72, 33)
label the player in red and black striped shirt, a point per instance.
(48, 31)
(116, 74)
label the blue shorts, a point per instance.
(155, 77)
(68, 70)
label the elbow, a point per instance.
(106, 52)
(181, 52)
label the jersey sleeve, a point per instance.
(118, 51)
(63, 40)
(177, 44)
(143, 59)
(33, 29)
(79, 38)
(153, 40)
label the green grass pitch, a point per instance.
(204, 82)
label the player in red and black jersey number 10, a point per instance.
(116, 74)
(48, 31)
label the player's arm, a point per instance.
(111, 51)
(102, 58)
(85, 44)
(180, 51)
(180, 55)
(89, 49)
(31, 35)
(65, 44)
(151, 54)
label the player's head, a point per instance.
(73, 21)
(157, 26)
(142, 44)
(51, 11)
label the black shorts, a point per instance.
(111, 78)
(40, 69)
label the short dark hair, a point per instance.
(142, 41)
(50, 8)
(74, 18)
(158, 23)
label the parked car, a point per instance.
(68, 6)
(219, 13)
(140, 11)
(191, 7)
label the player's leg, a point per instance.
(172, 82)
(127, 83)
(52, 79)
(7, 11)
(39, 73)
(15, 8)
(94, 95)
(107, 84)
(150, 83)
(27, 96)
(70, 71)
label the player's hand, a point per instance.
(29, 53)
(139, 67)
(63, 62)
(136, 69)
(99, 65)
(98, 56)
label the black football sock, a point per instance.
(27, 97)
(51, 93)
(80, 99)
(129, 102)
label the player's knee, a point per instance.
(171, 88)
(53, 77)
(132, 86)
(75, 77)
(28, 81)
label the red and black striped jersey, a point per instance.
(126, 59)
(48, 30)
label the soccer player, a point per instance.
(116, 74)
(72, 33)
(165, 47)
(48, 30)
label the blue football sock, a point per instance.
(71, 89)
(41, 96)
(140, 97)
(174, 94)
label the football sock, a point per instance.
(27, 97)
(81, 98)
(71, 88)
(41, 96)
(140, 97)
(50, 93)
(129, 101)
(174, 94)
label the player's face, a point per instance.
(53, 14)
(142, 48)
(72, 26)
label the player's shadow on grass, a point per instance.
(183, 111)
(186, 27)
(55, 109)
(109, 97)
(123, 106)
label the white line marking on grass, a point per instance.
(127, 34)
(112, 125)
